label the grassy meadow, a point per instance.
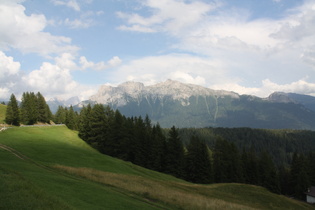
(51, 168)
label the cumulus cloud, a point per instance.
(73, 4)
(85, 64)
(181, 67)
(9, 73)
(77, 23)
(50, 78)
(244, 50)
(300, 86)
(26, 32)
(267, 87)
(168, 16)
(8, 66)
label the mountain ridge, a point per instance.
(187, 105)
(170, 88)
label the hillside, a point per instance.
(51, 168)
(2, 112)
(186, 105)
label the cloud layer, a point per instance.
(210, 43)
(250, 51)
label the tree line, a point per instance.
(183, 153)
(136, 140)
(32, 109)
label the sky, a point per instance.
(65, 48)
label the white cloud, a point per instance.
(9, 74)
(242, 51)
(115, 61)
(85, 64)
(66, 61)
(300, 86)
(77, 23)
(181, 67)
(26, 32)
(168, 16)
(267, 87)
(8, 66)
(73, 4)
(4, 93)
(50, 79)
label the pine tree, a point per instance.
(100, 125)
(226, 162)
(158, 148)
(29, 114)
(60, 116)
(198, 168)
(268, 173)
(175, 154)
(311, 167)
(12, 113)
(250, 167)
(84, 122)
(299, 179)
(43, 112)
(71, 118)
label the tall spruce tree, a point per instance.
(268, 175)
(43, 111)
(226, 162)
(299, 179)
(12, 113)
(60, 116)
(198, 168)
(29, 112)
(174, 163)
(84, 122)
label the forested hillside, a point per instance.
(51, 168)
(280, 160)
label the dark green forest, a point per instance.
(280, 160)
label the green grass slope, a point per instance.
(3, 109)
(51, 168)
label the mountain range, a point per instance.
(187, 105)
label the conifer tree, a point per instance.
(29, 112)
(100, 124)
(268, 173)
(158, 148)
(174, 154)
(226, 162)
(60, 116)
(299, 179)
(198, 167)
(84, 122)
(71, 118)
(12, 113)
(43, 111)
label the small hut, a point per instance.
(310, 195)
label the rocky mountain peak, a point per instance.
(280, 97)
(124, 92)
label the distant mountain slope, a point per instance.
(54, 103)
(186, 105)
(306, 100)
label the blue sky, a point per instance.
(65, 48)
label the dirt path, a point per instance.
(23, 157)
